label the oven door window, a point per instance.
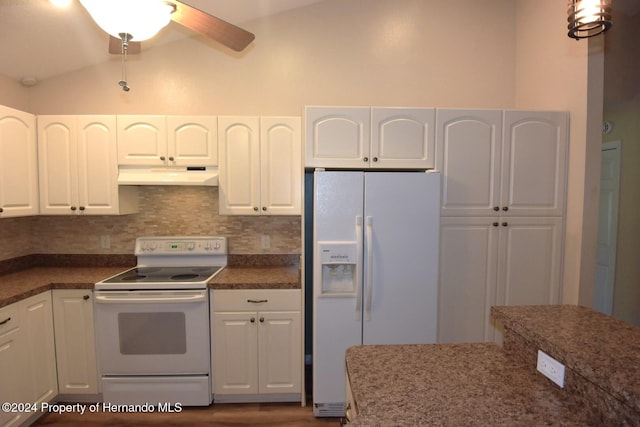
(152, 333)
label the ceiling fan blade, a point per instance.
(115, 46)
(215, 28)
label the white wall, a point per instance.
(343, 52)
(13, 94)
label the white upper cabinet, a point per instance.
(512, 163)
(468, 155)
(260, 166)
(337, 137)
(167, 140)
(193, 140)
(18, 163)
(78, 169)
(370, 137)
(402, 138)
(534, 157)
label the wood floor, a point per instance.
(249, 414)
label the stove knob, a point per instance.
(207, 247)
(217, 246)
(191, 246)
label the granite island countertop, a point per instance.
(487, 384)
(451, 385)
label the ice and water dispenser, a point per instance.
(339, 264)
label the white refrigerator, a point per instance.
(375, 269)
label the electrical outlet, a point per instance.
(266, 241)
(105, 241)
(550, 368)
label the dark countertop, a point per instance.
(32, 281)
(603, 350)
(452, 384)
(27, 282)
(232, 277)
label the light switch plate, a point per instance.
(550, 368)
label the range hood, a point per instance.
(192, 175)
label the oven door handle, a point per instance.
(151, 299)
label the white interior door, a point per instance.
(607, 227)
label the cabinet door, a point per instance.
(280, 166)
(468, 144)
(142, 140)
(529, 261)
(468, 278)
(337, 137)
(75, 341)
(37, 320)
(13, 366)
(18, 163)
(534, 163)
(402, 138)
(279, 352)
(192, 140)
(235, 353)
(97, 165)
(239, 181)
(57, 154)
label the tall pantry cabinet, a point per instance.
(502, 214)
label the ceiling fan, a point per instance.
(130, 22)
(147, 17)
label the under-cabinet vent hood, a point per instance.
(192, 175)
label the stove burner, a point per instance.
(184, 276)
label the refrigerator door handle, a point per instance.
(358, 310)
(369, 274)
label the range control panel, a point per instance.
(187, 246)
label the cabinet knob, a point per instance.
(375, 159)
(255, 208)
(366, 159)
(171, 158)
(495, 224)
(86, 297)
(162, 158)
(73, 208)
(262, 320)
(264, 208)
(81, 208)
(252, 320)
(505, 208)
(1, 210)
(504, 224)
(496, 208)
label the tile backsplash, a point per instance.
(164, 210)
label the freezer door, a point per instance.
(337, 325)
(401, 216)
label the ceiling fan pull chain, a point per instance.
(125, 45)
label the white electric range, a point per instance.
(152, 323)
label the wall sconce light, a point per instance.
(588, 18)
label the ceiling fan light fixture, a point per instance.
(142, 19)
(588, 18)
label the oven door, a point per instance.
(153, 332)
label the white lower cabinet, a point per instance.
(75, 342)
(488, 261)
(27, 357)
(13, 364)
(256, 345)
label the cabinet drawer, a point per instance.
(8, 318)
(256, 299)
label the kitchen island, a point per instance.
(485, 384)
